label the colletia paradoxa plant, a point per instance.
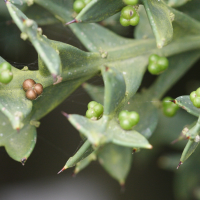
(119, 119)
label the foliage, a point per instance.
(163, 31)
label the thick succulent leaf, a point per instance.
(91, 11)
(18, 144)
(30, 29)
(40, 15)
(194, 139)
(116, 160)
(162, 25)
(95, 131)
(185, 103)
(85, 150)
(143, 30)
(13, 102)
(115, 89)
(192, 9)
(127, 138)
(85, 162)
(184, 25)
(95, 92)
(62, 10)
(178, 66)
(133, 71)
(73, 60)
(143, 104)
(176, 3)
(188, 150)
(190, 173)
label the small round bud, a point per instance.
(28, 83)
(128, 12)
(135, 20)
(153, 58)
(38, 88)
(192, 95)
(196, 102)
(78, 6)
(123, 115)
(163, 63)
(134, 117)
(124, 22)
(5, 66)
(153, 69)
(31, 94)
(6, 76)
(198, 92)
(92, 104)
(131, 2)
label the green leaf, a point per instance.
(127, 138)
(91, 11)
(84, 163)
(192, 9)
(185, 103)
(188, 150)
(40, 15)
(18, 144)
(95, 92)
(93, 130)
(176, 3)
(115, 89)
(85, 150)
(62, 10)
(162, 25)
(30, 29)
(143, 30)
(116, 160)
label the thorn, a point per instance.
(175, 141)
(122, 184)
(23, 160)
(18, 130)
(63, 169)
(174, 101)
(73, 174)
(65, 114)
(71, 22)
(149, 146)
(180, 163)
(54, 78)
(134, 150)
(83, 85)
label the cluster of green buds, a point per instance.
(80, 4)
(157, 64)
(195, 98)
(169, 108)
(95, 110)
(129, 16)
(128, 119)
(5, 73)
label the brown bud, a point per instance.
(28, 83)
(31, 94)
(38, 88)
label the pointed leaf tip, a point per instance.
(65, 114)
(71, 22)
(180, 163)
(122, 184)
(63, 169)
(23, 160)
